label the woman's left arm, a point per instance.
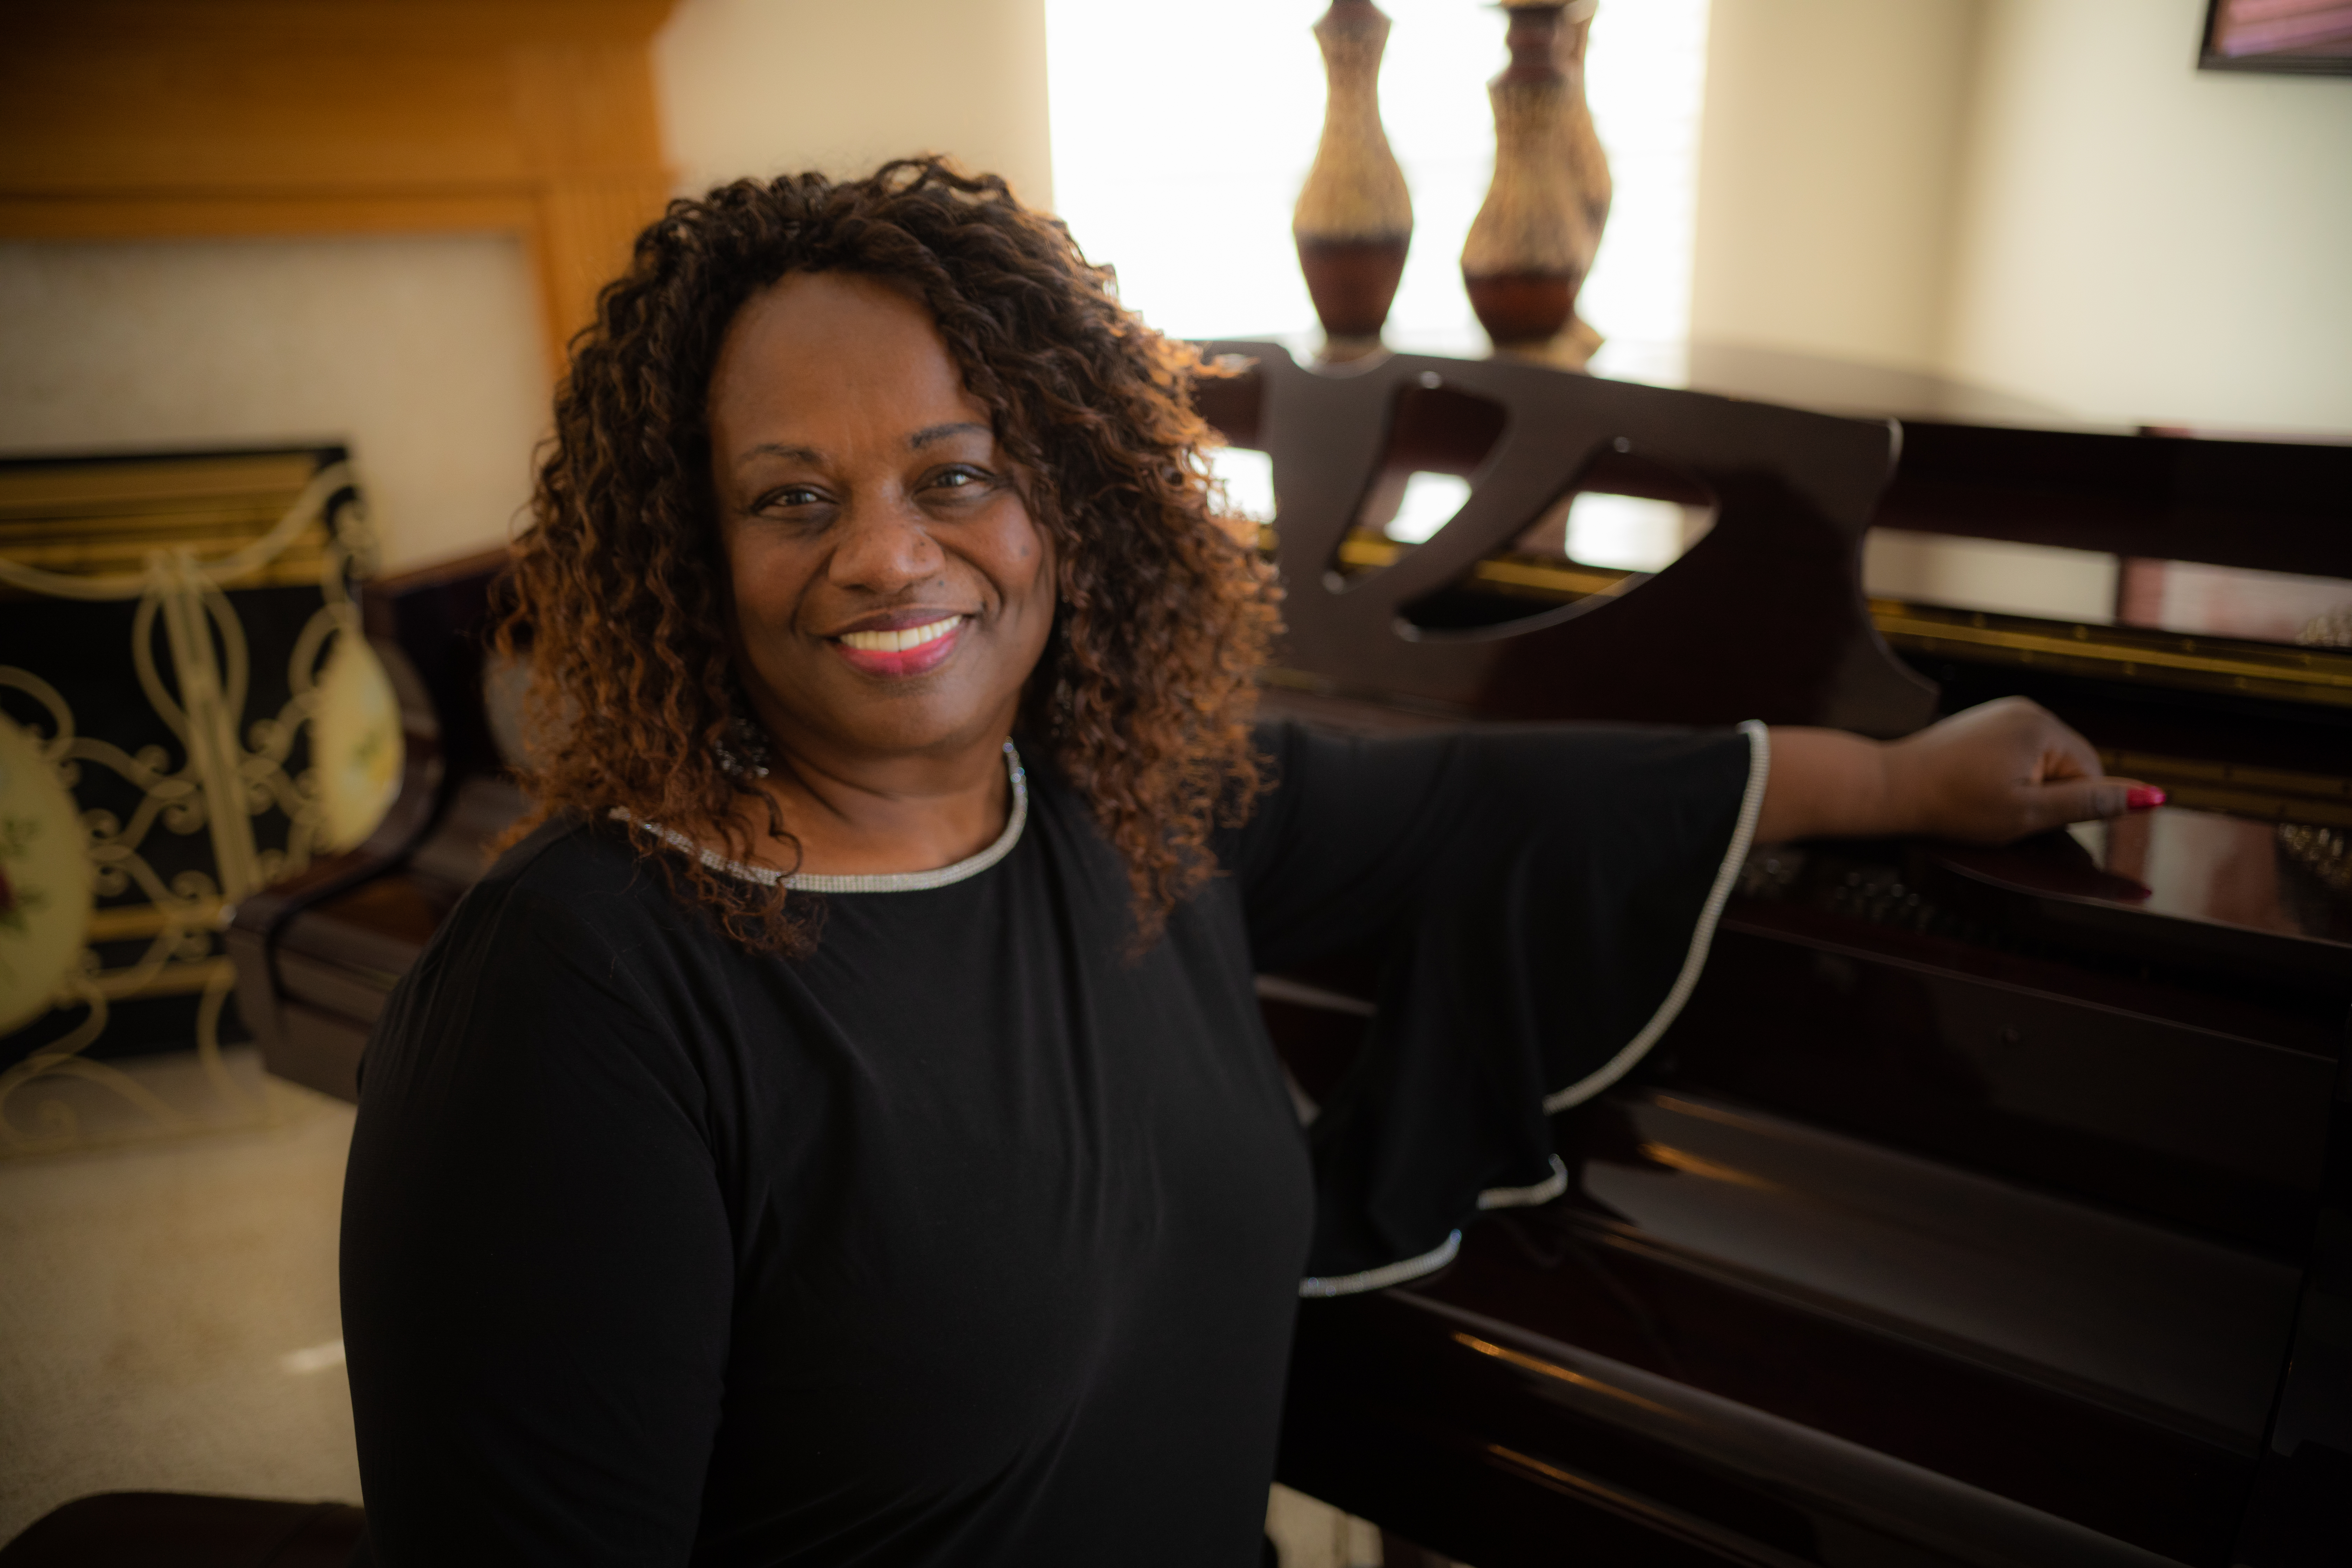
(1992, 774)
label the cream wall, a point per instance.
(1830, 147)
(767, 86)
(2042, 196)
(2145, 241)
(421, 353)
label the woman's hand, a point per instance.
(1988, 775)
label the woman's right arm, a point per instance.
(537, 1265)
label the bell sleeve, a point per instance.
(1543, 898)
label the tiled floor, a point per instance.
(168, 1314)
(1311, 1534)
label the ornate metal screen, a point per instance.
(187, 711)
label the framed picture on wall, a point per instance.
(2302, 37)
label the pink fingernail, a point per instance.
(2139, 797)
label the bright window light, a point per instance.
(1627, 532)
(1248, 479)
(1187, 186)
(1429, 503)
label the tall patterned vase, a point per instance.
(1533, 241)
(1354, 218)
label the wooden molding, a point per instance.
(136, 118)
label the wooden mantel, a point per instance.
(156, 119)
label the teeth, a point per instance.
(902, 639)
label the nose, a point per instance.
(883, 547)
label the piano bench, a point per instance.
(183, 1530)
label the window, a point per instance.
(1181, 134)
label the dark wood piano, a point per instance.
(1980, 1206)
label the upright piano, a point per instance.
(1979, 1207)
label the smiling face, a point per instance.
(891, 592)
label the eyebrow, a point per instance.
(924, 437)
(915, 442)
(777, 449)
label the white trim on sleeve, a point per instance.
(1380, 1278)
(1438, 1257)
(1543, 1191)
(1727, 875)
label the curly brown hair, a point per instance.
(1143, 695)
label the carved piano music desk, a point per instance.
(1978, 1206)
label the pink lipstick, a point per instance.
(902, 650)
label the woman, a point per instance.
(842, 1131)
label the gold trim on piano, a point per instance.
(2160, 658)
(2276, 794)
(2274, 670)
(1547, 578)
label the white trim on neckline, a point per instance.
(881, 882)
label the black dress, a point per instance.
(971, 1238)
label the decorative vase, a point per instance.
(1534, 239)
(1354, 218)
